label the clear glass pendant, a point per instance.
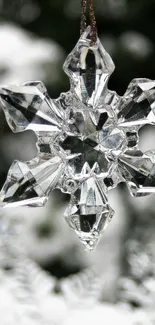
(87, 140)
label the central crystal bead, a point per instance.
(94, 139)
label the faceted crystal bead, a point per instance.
(28, 107)
(30, 184)
(138, 170)
(137, 106)
(89, 68)
(89, 213)
(93, 137)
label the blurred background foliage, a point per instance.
(35, 38)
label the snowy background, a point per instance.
(45, 275)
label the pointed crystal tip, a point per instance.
(30, 185)
(88, 212)
(89, 242)
(89, 227)
(27, 107)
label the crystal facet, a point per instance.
(88, 212)
(137, 106)
(89, 68)
(28, 185)
(87, 140)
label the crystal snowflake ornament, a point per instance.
(87, 140)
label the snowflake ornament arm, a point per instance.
(87, 140)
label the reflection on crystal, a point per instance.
(87, 140)
(88, 213)
(89, 68)
(137, 105)
(93, 138)
(31, 184)
(132, 138)
(87, 153)
(28, 108)
(139, 171)
(114, 140)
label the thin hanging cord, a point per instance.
(90, 4)
(83, 16)
(93, 21)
